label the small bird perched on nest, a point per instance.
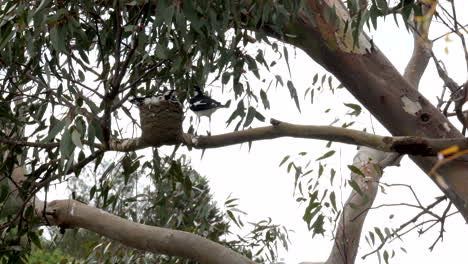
(203, 105)
(161, 117)
(169, 95)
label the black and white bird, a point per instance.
(203, 105)
(169, 95)
(149, 99)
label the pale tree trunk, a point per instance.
(348, 234)
(350, 224)
(375, 82)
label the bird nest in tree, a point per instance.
(161, 123)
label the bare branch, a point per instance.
(442, 224)
(19, 142)
(118, 41)
(402, 145)
(424, 211)
(456, 29)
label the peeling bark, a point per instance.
(375, 82)
(357, 206)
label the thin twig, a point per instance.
(20, 142)
(402, 226)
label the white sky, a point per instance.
(265, 190)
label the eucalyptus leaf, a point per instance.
(76, 139)
(4, 191)
(354, 169)
(264, 98)
(66, 145)
(284, 160)
(250, 116)
(55, 130)
(326, 155)
(293, 93)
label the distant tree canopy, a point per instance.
(169, 194)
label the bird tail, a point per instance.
(136, 100)
(227, 104)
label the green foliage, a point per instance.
(173, 196)
(67, 69)
(321, 204)
(380, 8)
(126, 48)
(367, 15)
(73, 64)
(41, 256)
(17, 240)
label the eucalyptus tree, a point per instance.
(69, 68)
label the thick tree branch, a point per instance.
(23, 143)
(71, 213)
(126, 145)
(403, 145)
(351, 221)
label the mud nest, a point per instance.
(161, 123)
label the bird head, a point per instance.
(198, 90)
